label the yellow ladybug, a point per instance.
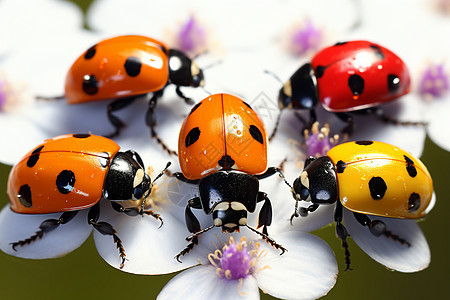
(369, 178)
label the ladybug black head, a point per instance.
(183, 71)
(126, 178)
(229, 195)
(300, 91)
(317, 183)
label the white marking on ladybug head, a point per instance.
(304, 179)
(195, 70)
(174, 63)
(237, 206)
(217, 222)
(222, 206)
(138, 177)
(287, 89)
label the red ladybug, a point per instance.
(223, 149)
(347, 77)
(126, 67)
(72, 172)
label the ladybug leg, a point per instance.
(181, 177)
(62, 97)
(265, 214)
(305, 210)
(269, 172)
(115, 106)
(268, 239)
(265, 219)
(378, 228)
(181, 95)
(151, 121)
(312, 118)
(134, 211)
(276, 127)
(45, 227)
(106, 229)
(379, 113)
(347, 118)
(136, 157)
(193, 226)
(342, 233)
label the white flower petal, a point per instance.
(369, 127)
(202, 282)
(62, 240)
(308, 270)
(315, 220)
(251, 27)
(42, 120)
(439, 122)
(149, 249)
(388, 252)
(24, 23)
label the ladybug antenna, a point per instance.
(151, 187)
(212, 65)
(199, 54)
(274, 76)
(50, 98)
(208, 92)
(162, 172)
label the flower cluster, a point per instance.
(234, 43)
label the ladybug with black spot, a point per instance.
(346, 77)
(126, 67)
(223, 149)
(72, 172)
(367, 178)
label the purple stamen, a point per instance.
(191, 36)
(235, 261)
(306, 38)
(434, 82)
(317, 146)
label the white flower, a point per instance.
(39, 236)
(412, 256)
(245, 47)
(236, 269)
(306, 270)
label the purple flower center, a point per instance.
(317, 140)
(318, 145)
(235, 261)
(306, 38)
(191, 36)
(434, 82)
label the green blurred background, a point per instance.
(84, 274)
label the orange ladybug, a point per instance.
(72, 172)
(126, 67)
(223, 149)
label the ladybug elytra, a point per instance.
(367, 178)
(124, 68)
(72, 172)
(346, 77)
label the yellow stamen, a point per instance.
(240, 286)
